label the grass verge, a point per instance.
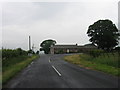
(100, 63)
(15, 65)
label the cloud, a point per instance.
(66, 22)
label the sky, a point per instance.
(66, 22)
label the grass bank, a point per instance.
(106, 63)
(11, 66)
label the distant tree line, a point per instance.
(103, 34)
(10, 53)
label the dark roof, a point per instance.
(74, 46)
(65, 46)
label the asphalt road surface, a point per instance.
(51, 71)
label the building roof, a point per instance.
(65, 46)
(74, 46)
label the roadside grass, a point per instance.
(106, 63)
(1, 79)
(14, 65)
(0, 73)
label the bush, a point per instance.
(118, 50)
(37, 52)
(96, 52)
(9, 53)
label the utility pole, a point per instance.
(29, 43)
(33, 47)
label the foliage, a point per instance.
(31, 52)
(46, 44)
(104, 33)
(11, 66)
(13, 60)
(117, 48)
(9, 53)
(102, 63)
(96, 52)
(105, 58)
(37, 52)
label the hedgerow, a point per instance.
(9, 53)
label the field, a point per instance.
(108, 63)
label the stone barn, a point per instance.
(60, 49)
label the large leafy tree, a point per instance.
(104, 34)
(46, 44)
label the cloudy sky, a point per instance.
(66, 22)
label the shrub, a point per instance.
(118, 50)
(96, 52)
(9, 53)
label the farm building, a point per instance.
(59, 49)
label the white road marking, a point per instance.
(56, 71)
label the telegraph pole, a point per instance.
(29, 43)
(33, 47)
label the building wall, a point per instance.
(71, 50)
(65, 50)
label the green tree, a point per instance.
(37, 52)
(46, 45)
(104, 34)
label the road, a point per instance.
(51, 71)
